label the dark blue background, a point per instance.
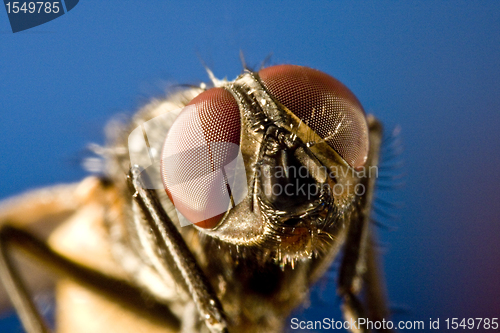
(431, 67)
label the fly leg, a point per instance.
(119, 290)
(28, 313)
(375, 286)
(362, 273)
(173, 245)
(352, 270)
(359, 262)
(39, 211)
(28, 215)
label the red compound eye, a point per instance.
(204, 138)
(327, 106)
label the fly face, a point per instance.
(301, 135)
(237, 199)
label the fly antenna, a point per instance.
(266, 61)
(242, 59)
(215, 81)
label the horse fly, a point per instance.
(216, 210)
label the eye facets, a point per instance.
(205, 137)
(324, 104)
(202, 141)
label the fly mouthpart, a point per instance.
(290, 179)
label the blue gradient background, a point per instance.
(431, 67)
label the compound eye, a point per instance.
(203, 139)
(323, 103)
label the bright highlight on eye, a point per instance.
(202, 141)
